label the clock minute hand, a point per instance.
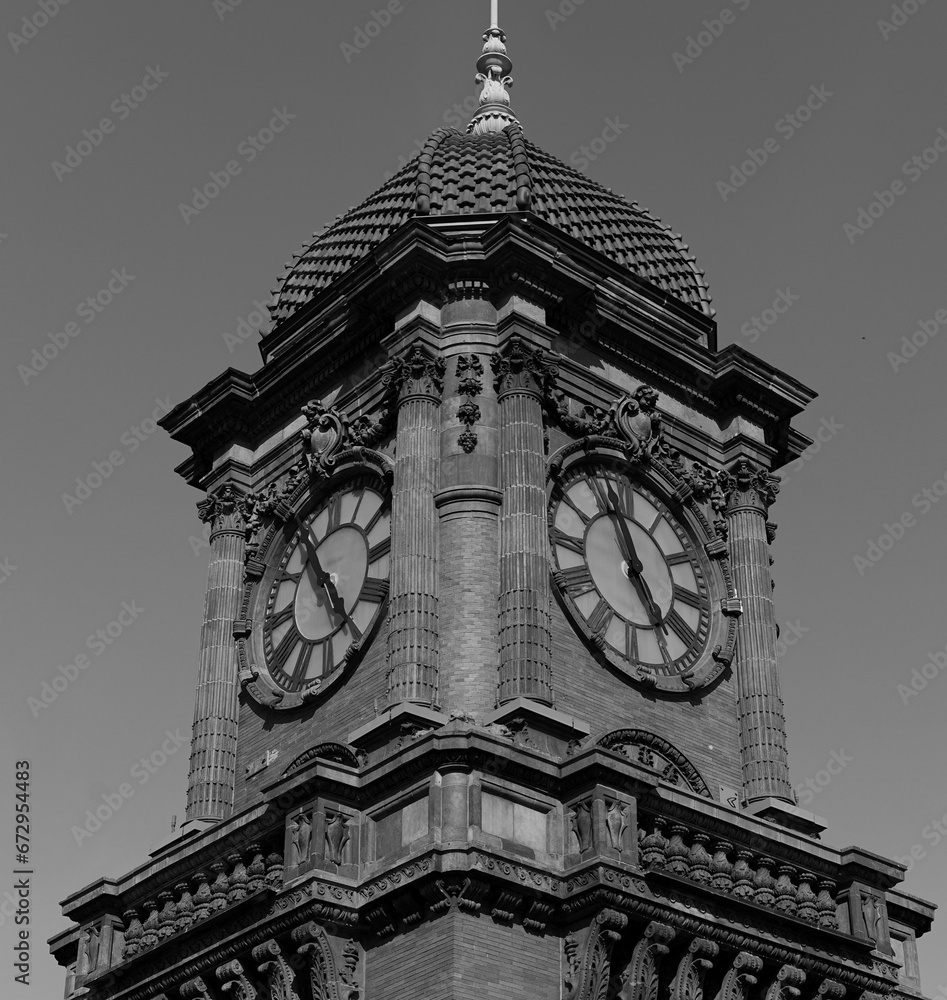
(627, 546)
(323, 579)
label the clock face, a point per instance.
(329, 586)
(629, 572)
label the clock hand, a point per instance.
(626, 545)
(323, 579)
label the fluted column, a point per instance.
(522, 379)
(747, 493)
(210, 783)
(418, 379)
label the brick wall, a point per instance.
(467, 957)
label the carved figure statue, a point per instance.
(874, 917)
(89, 952)
(582, 824)
(616, 822)
(303, 836)
(337, 836)
(293, 852)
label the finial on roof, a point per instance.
(493, 71)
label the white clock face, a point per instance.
(629, 572)
(329, 586)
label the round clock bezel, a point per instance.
(703, 664)
(277, 547)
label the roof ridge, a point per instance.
(524, 176)
(422, 189)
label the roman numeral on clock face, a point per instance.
(381, 549)
(677, 559)
(282, 616)
(577, 580)
(335, 513)
(302, 665)
(374, 590)
(598, 620)
(568, 542)
(686, 597)
(681, 629)
(286, 646)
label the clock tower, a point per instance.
(487, 692)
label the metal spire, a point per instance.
(493, 71)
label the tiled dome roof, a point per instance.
(458, 174)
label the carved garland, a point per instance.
(469, 384)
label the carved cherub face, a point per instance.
(647, 397)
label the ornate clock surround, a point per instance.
(274, 529)
(666, 479)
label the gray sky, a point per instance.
(170, 288)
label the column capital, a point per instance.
(418, 373)
(519, 368)
(226, 509)
(744, 486)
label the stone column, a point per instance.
(210, 783)
(746, 496)
(418, 380)
(523, 377)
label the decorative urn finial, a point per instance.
(493, 71)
